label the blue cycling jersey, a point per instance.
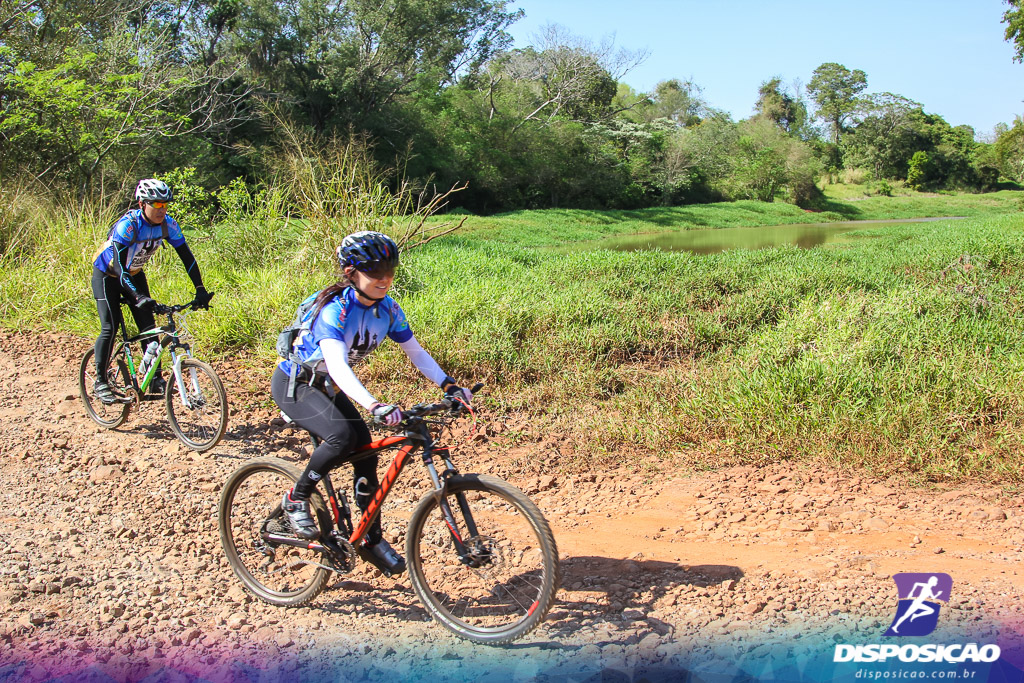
(361, 328)
(142, 239)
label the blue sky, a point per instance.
(948, 55)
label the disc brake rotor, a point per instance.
(483, 552)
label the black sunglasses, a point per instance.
(377, 270)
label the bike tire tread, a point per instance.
(83, 391)
(545, 537)
(231, 485)
(169, 394)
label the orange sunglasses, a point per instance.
(158, 205)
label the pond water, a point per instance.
(714, 240)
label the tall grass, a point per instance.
(47, 244)
(337, 187)
(899, 353)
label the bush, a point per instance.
(803, 172)
(193, 206)
(918, 171)
(856, 176)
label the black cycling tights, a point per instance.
(107, 292)
(340, 428)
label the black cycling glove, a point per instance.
(145, 303)
(458, 393)
(202, 299)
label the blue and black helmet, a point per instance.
(368, 250)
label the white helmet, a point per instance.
(153, 190)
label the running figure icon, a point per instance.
(918, 608)
(921, 596)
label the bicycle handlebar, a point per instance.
(164, 309)
(446, 405)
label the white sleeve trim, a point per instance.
(423, 361)
(336, 357)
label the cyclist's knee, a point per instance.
(327, 453)
(340, 443)
(333, 450)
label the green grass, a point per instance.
(895, 354)
(918, 205)
(555, 227)
(899, 354)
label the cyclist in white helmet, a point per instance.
(348, 321)
(117, 273)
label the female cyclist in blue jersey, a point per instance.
(117, 271)
(349, 320)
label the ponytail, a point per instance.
(327, 294)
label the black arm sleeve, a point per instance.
(120, 267)
(191, 267)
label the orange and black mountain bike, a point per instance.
(480, 554)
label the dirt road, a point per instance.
(110, 560)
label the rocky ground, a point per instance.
(110, 560)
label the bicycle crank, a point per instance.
(341, 553)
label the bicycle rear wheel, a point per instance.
(250, 504)
(200, 415)
(506, 583)
(105, 415)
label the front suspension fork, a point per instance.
(440, 494)
(179, 378)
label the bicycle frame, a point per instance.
(168, 338)
(416, 437)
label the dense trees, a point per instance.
(1007, 154)
(885, 136)
(344, 63)
(99, 94)
(84, 91)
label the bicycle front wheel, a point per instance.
(198, 416)
(105, 415)
(250, 505)
(504, 583)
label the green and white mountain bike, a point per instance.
(197, 406)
